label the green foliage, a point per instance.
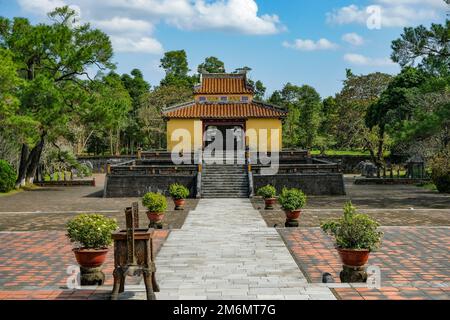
(178, 191)
(52, 59)
(155, 202)
(7, 176)
(267, 192)
(91, 231)
(211, 65)
(303, 121)
(176, 66)
(152, 103)
(292, 199)
(350, 107)
(354, 230)
(427, 46)
(440, 166)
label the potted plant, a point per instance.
(268, 193)
(156, 204)
(179, 193)
(292, 201)
(356, 236)
(92, 235)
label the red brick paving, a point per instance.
(414, 262)
(33, 265)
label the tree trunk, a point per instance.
(20, 182)
(33, 160)
(111, 142)
(117, 142)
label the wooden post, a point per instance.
(130, 236)
(135, 208)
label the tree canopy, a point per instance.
(211, 65)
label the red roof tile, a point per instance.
(224, 111)
(223, 84)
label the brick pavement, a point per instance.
(414, 262)
(35, 263)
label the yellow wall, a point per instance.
(180, 127)
(256, 138)
(231, 97)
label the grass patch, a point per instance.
(341, 153)
(344, 153)
(27, 187)
(12, 192)
(428, 186)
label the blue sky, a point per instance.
(297, 41)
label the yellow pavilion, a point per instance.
(224, 102)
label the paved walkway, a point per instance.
(226, 251)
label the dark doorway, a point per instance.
(226, 131)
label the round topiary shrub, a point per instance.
(441, 173)
(91, 231)
(178, 191)
(267, 192)
(292, 199)
(155, 202)
(7, 176)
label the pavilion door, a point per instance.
(231, 134)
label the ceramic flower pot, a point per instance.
(354, 257)
(270, 202)
(90, 258)
(155, 217)
(179, 204)
(292, 215)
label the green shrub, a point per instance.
(292, 199)
(354, 230)
(7, 176)
(155, 202)
(440, 175)
(177, 191)
(84, 170)
(267, 192)
(91, 231)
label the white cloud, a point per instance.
(239, 16)
(394, 13)
(310, 45)
(131, 23)
(232, 15)
(353, 38)
(360, 60)
(124, 25)
(40, 6)
(141, 45)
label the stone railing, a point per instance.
(300, 168)
(134, 169)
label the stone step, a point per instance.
(241, 191)
(230, 191)
(240, 170)
(218, 178)
(225, 195)
(224, 173)
(212, 184)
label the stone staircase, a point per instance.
(225, 181)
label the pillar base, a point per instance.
(291, 223)
(92, 276)
(351, 274)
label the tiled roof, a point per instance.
(223, 84)
(195, 110)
